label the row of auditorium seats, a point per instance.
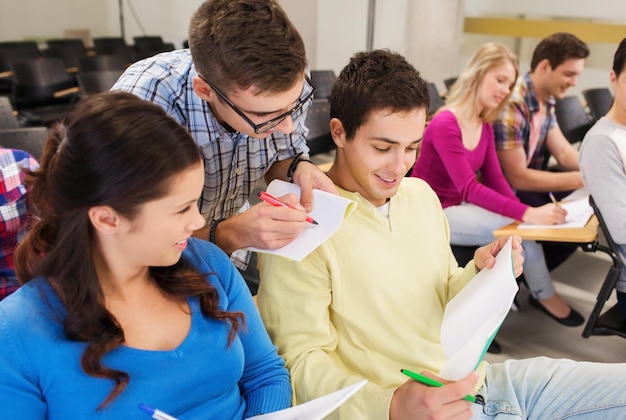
(97, 73)
(44, 83)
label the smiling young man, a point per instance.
(242, 91)
(527, 129)
(370, 300)
(527, 125)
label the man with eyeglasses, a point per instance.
(242, 91)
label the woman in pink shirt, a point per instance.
(458, 159)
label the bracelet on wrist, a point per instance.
(213, 229)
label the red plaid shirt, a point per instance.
(12, 211)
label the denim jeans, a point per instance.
(473, 225)
(552, 389)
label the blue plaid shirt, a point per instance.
(233, 162)
(512, 128)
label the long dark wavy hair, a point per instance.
(120, 151)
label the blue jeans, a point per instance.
(543, 388)
(473, 225)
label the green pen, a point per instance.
(431, 382)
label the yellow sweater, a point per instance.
(366, 303)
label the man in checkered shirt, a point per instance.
(242, 90)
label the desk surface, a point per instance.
(585, 234)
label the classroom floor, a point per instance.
(530, 333)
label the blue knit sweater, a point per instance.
(204, 378)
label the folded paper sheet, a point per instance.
(315, 409)
(329, 211)
(472, 318)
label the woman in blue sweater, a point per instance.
(120, 306)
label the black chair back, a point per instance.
(599, 101)
(436, 101)
(97, 81)
(7, 118)
(317, 121)
(323, 81)
(29, 139)
(449, 82)
(20, 50)
(572, 118)
(147, 46)
(612, 321)
(114, 46)
(101, 62)
(70, 50)
(36, 82)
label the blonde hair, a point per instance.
(487, 57)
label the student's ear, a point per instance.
(337, 131)
(613, 78)
(202, 89)
(544, 66)
(104, 219)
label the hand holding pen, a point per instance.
(431, 382)
(549, 214)
(268, 198)
(414, 400)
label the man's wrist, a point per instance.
(294, 165)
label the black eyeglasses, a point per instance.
(267, 125)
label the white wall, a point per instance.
(598, 64)
(426, 31)
(607, 10)
(42, 19)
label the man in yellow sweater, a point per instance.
(370, 300)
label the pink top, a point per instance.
(451, 170)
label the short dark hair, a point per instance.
(558, 48)
(619, 59)
(372, 81)
(243, 43)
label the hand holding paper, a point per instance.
(472, 318)
(329, 211)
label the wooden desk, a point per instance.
(583, 235)
(611, 321)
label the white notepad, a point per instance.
(329, 211)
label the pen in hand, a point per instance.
(431, 382)
(553, 198)
(269, 198)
